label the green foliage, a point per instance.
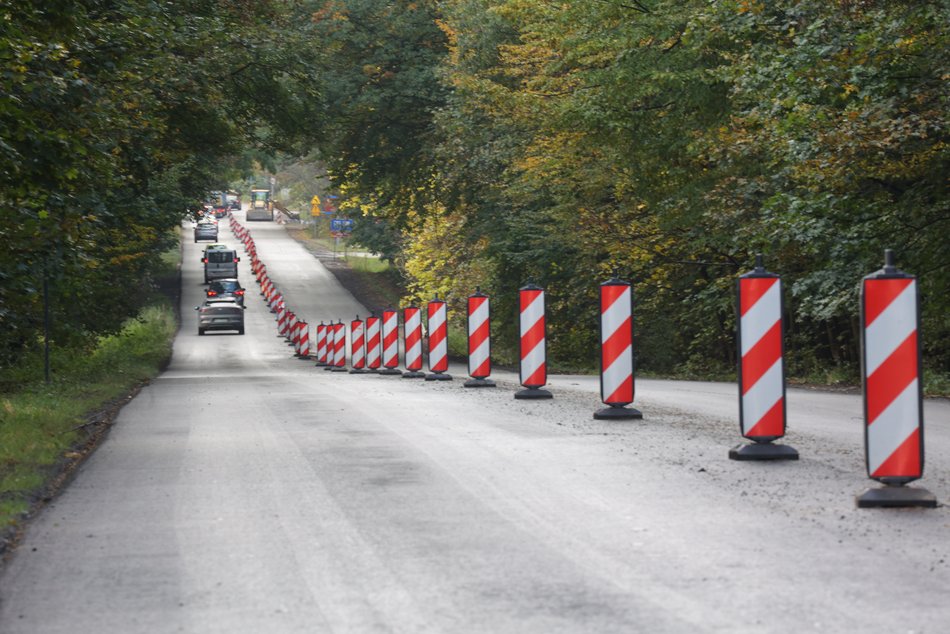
(115, 117)
(39, 423)
(492, 142)
(667, 143)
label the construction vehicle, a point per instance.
(261, 207)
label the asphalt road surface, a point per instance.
(247, 491)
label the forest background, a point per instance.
(491, 143)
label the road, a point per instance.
(248, 491)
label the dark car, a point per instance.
(206, 231)
(220, 314)
(236, 204)
(226, 287)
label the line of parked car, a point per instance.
(223, 308)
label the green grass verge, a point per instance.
(41, 425)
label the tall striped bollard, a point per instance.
(534, 368)
(761, 366)
(412, 337)
(438, 327)
(331, 347)
(390, 332)
(372, 343)
(339, 347)
(282, 321)
(292, 328)
(479, 340)
(303, 346)
(357, 346)
(321, 344)
(893, 395)
(616, 351)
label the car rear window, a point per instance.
(224, 286)
(220, 257)
(222, 310)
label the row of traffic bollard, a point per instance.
(893, 398)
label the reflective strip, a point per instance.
(762, 396)
(616, 315)
(894, 426)
(761, 317)
(478, 358)
(619, 373)
(478, 317)
(891, 327)
(532, 361)
(437, 318)
(532, 312)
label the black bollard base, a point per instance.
(479, 382)
(896, 497)
(438, 376)
(618, 412)
(532, 393)
(413, 374)
(358, 371)
(763, 451)
(338, 369)
(391, 371)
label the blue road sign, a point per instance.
(344, 225)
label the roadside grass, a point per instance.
(46, 429)
(42, 425)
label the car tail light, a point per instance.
(205, 260)
(236, 260)
(239, 292)
(212, 293)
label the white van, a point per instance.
(220, 263)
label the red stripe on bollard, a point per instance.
(893, 395)
(339, 347)
(291, 327)
(438, 327)
(412, 320)
(533, 368)
(761, 366)
(616, 351)
(372, 343)
(357, 346)
(479, 340)
(390, 332)
(321, 343)
(303, 347)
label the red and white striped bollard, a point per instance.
(303, 345)
(438, 341)
(479, 340)
(321, 344)
(893, 394)
(390, 332)
(412, 337)
(357, 346)
(533, 347)
(616, 351)
(372, 343)
(339, 347)
(761, 366)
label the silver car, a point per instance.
(206, 231)
(220, 314)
